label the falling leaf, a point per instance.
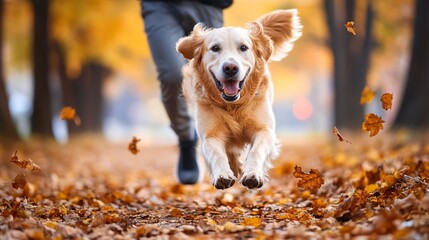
(69, 113)
(133, 145)
(252, 221)
(386, 100)
(372, 124)
(24, 163)
(350, 26)
(367, 95)
(309, 181)
(340, 138)
(19, 181)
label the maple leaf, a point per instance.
(372, 124)
(340, 138)
(133, 145)
(350, 26)
(69, 113)
(386, 100)
(367, 95)
(19, 181)
(24, 163)
(309, 181)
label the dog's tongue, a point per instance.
(231, 88)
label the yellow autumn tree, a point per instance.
(108, 32)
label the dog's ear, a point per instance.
(187, 46)
(283, 27)
(263, 45)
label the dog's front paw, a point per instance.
(224, 183)
(252, 182)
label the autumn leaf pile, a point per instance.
(95, 190)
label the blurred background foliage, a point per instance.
(104, 39)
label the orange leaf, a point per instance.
(133, 145)
(252, 221)
(386, 100)
(340, 138)
(309, 181)
(372, 124)
(69, 113)
(350, 26)
(367, 95)
(19, 181)
(24, 163)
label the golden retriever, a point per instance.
(228, 83)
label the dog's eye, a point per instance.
(215, 48)
(243, 48)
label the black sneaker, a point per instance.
(188, 171)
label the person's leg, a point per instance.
(162, 31)
(195, 12)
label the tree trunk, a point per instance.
(83, 93)
(413, 111)
(41, 121)
(351, 60)
(87, 98)
(7, 127)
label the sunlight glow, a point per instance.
(302, 109)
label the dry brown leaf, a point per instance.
(176, 212)
(386, 101)
(133, 145)
(350, 26)
(69, 113)
(309, 181)
(19, 181)
(340, 138)
(24, 163)
(367, 95)
(372, 124)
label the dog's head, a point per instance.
(229, 56)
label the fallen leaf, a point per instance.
(19, 181)
(350, 26)
(69, 113)
(232, 227)
(176, 212)
(372, 124)
(211, 222)
(252, 221)
(340, 138)
(309, 181)
(367, 95)
(24, 163)
(386, 100)
(133, 145)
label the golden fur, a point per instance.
(243, 128)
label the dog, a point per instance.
(228, 84)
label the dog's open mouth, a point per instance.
(230, 88)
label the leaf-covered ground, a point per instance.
(91, 189)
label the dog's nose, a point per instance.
(230, 69)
